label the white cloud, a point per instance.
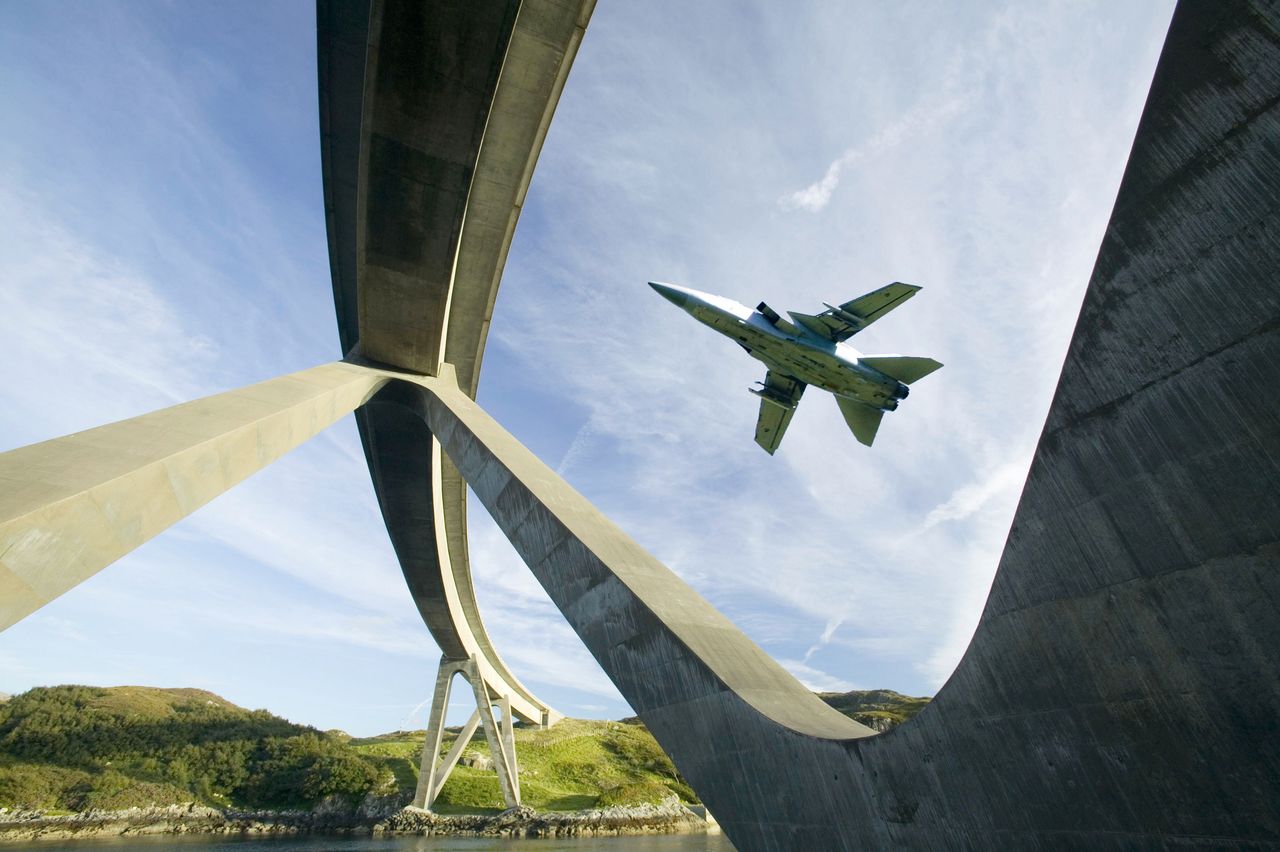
(816, 195)
(814, 679)
(90, 339)
(973, 496)
(825, 639)
(905, 131)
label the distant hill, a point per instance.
(77, 748)
(881, 709)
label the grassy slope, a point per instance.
(75, 748)
(868, 706)
(578, 763)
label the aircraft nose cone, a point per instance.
(672, 294)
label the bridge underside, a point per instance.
(432, 117)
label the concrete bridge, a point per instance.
(1121, 690)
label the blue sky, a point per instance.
(162, 238)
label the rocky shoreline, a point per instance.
(670, 817)
(666, 818)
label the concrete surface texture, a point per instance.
(450, 103)
(71, 506)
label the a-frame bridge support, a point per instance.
(499, 733)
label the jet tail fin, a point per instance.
(904, 368)
(863, 420)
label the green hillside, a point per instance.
(881, 709)
(576, 764)
(76, 748)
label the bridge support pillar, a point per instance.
(71, 506)
(500, 735)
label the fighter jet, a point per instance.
(811, 350)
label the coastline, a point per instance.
(669, 817)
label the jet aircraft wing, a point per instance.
(778, 400)
(841, 322)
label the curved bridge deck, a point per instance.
(432, 118)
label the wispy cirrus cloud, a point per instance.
(825, 639)
(91, 339)
(908, 130)
(971, 497)
(818, 681)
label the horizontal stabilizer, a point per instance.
(904, 368)
(863, 420)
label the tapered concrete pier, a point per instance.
(71, 506)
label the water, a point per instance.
(642, 843)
